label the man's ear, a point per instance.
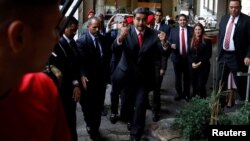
(15, 34)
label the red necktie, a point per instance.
(140, 39)
(228, 34)
(183, 43)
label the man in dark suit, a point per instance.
(66, 59)
(115, 91)
(159, 23)
(94, 70)
(233, 47)
(135, 71)
(160, 66)
(180, 39)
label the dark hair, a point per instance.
(182, 15)
(158, 10)
(10, 8)
(23, 9)
(9, 4)
(72, 20)
(141, 10)
(236, 0)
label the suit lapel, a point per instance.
(178, 38)
(237, 25)
(225, 27)
(90, 42)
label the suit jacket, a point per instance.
(137, 64)
(241, 37)
(164, 59)
(203, 53)
(67, 62)
(91, 66)
(174, 38)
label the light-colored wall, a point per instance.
(245, 7)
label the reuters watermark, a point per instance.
(241, 132)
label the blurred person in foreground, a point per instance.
(30, 106)
(200, 54)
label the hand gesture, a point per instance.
(173, 46)
(84, 82)
(123, 34)
(111, 21)
(247, 61)
(76, 93)
(196, 65)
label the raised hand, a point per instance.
(123, 34)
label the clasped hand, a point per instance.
(196, 65)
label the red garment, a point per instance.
(150, 18)
(33, 112)
(129, 20)
(140, 39)
(196, 43)
(184, 52)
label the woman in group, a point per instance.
(200, 54)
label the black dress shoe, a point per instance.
(187, 99)
(129, 126)
(104, 112)
(114, 118)
(133, 138)
(177, 98)
(156, 117)
(95, 136)
(148, 107)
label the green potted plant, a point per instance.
(193, 120)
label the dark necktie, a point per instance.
(183, 43)
(140, 39)
(156, 27)
(97, 46)
(72, 44)
(228, 34)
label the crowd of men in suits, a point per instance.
(138, 55)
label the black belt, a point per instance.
(229, 51)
